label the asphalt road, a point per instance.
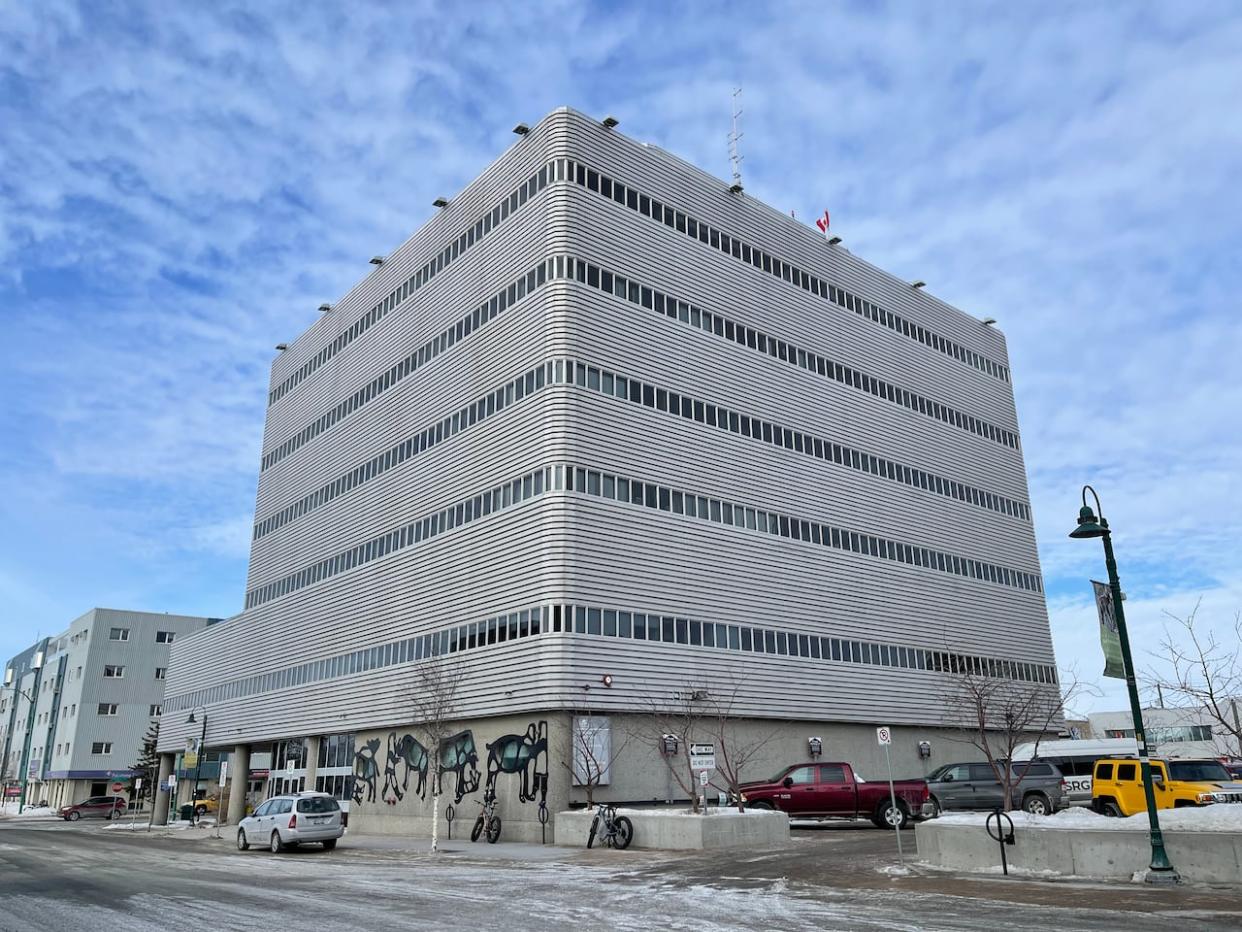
(62, 877)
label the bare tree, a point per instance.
(1203, 671)
(681, 717)
(735, 750)
(996, 711)
(436, 684)
(594, 747)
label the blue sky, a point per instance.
(182, 184)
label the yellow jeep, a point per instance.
(1117, 785)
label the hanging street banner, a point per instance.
(1109, 640)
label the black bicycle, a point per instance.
(488, 822)
(615, 831)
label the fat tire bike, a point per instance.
(488, 823)
(613, 830)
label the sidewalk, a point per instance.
(382, 846)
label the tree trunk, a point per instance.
(435, 822)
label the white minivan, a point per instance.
(285, 821)
(1076, 761)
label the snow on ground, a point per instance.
(29, 812)
(1222, 817)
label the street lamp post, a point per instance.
(198, 762)
(1162, 870)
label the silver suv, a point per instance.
(284, 821)
(1040, 790)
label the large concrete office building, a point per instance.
(605, 417)
(74, 708)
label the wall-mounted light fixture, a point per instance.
(282, 346)
(324, 308)
(521, 129)
(924, 749)
(833, 240)
(668, 744)
(377, 260)
(606, 679)
(989, 321)
(918, 283)
(815, 747)
(610, 122)
(440, 202)
(736, 187)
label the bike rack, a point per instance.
(449, 814)
(543, 821)
(1001, 836)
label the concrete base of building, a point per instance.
(1110, 854)
(682, 830)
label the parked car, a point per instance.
(1235, 769)
(1038, 787)
(1117, 789)
(285, 821)
(97, 807)
(204, 805)
(835, 791)
(1076, 760)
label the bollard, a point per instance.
(543, 821)
(1000, 835)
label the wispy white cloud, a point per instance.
(181, 185)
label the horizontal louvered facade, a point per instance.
(598, 387)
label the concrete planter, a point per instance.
(678, 830)
(1204, 857)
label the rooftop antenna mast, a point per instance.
(735, 157)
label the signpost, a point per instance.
(884, 736)
(220, 784)
(703, 760)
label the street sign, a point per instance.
(702, 757)
(224, 772)
(883, 735)
(118, 788)
(703, 778)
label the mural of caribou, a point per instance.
(366, 771)
(525, 754)
(407, 754)
(458, 756)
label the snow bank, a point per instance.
(1221, 817)
(30, 812)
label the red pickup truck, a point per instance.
(834, 791)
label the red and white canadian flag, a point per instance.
(822, 223)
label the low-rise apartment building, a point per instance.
(74, 708)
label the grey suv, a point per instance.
(285, 821)
(1040, 789)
